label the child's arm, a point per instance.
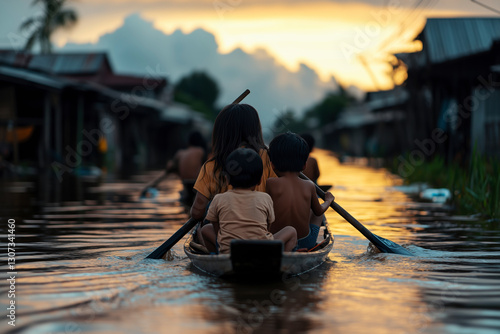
(210, 231)
(213, 214)
(199, 206)
(318, 208)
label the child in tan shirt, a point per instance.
(242, 212)
(293, 197)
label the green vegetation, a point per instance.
(325, 111)
(328, 110)
(199, 91)
(475, 189)
(42, 27)
(288, 121)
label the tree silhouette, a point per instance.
(54, 17)
(200, 86)
(328, 110)
(199, 91)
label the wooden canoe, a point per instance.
(264, 258)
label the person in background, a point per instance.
(187, 164)
(311, 170)
(295, 200)
(241, 213)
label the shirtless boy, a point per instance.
(187, 164)
(293, 197)
(242, 212)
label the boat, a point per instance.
(260, 258)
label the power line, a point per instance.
(486, 6)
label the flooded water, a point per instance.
(81, 268)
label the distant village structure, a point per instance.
(449, 104)
(373, 128)
(70, 114)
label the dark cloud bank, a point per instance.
(137, 47)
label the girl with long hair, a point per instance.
(237, 125)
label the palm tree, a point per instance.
(53, 18)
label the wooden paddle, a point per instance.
(153, 185)
(167, 245)
(384, 245)
(325, 187)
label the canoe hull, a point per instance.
(275, 262)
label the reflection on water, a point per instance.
(81, 267)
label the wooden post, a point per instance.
(79, 123)
(79, 135)
(57, 99)
(46, 130)
(58, 124)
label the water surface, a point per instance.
(81, 266)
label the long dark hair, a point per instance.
(236, 125)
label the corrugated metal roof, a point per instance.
(451, 38)
(68, 63)
(384, 99)
(178, 112)
(7, 57)
(31, 77)
(356, 118)
(54, 83)
(12, 57)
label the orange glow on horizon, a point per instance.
(328, 37)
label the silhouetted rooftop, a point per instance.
(447, 39)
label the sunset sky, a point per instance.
(330, 37)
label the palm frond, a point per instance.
(65, 18)
(28, 23)
(31, 41)
(54, 17)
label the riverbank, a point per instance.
(474, 190)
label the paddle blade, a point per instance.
(167, 245)
(384, 245)
(149, 192)
(325, 187)
(388, 246)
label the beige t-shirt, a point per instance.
(206, 183)
(241, 214)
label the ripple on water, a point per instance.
(82, 269)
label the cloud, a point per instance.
(468, 6)
(315, 32)
(137, 47)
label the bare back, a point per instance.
(189, 162)
(293, 200)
